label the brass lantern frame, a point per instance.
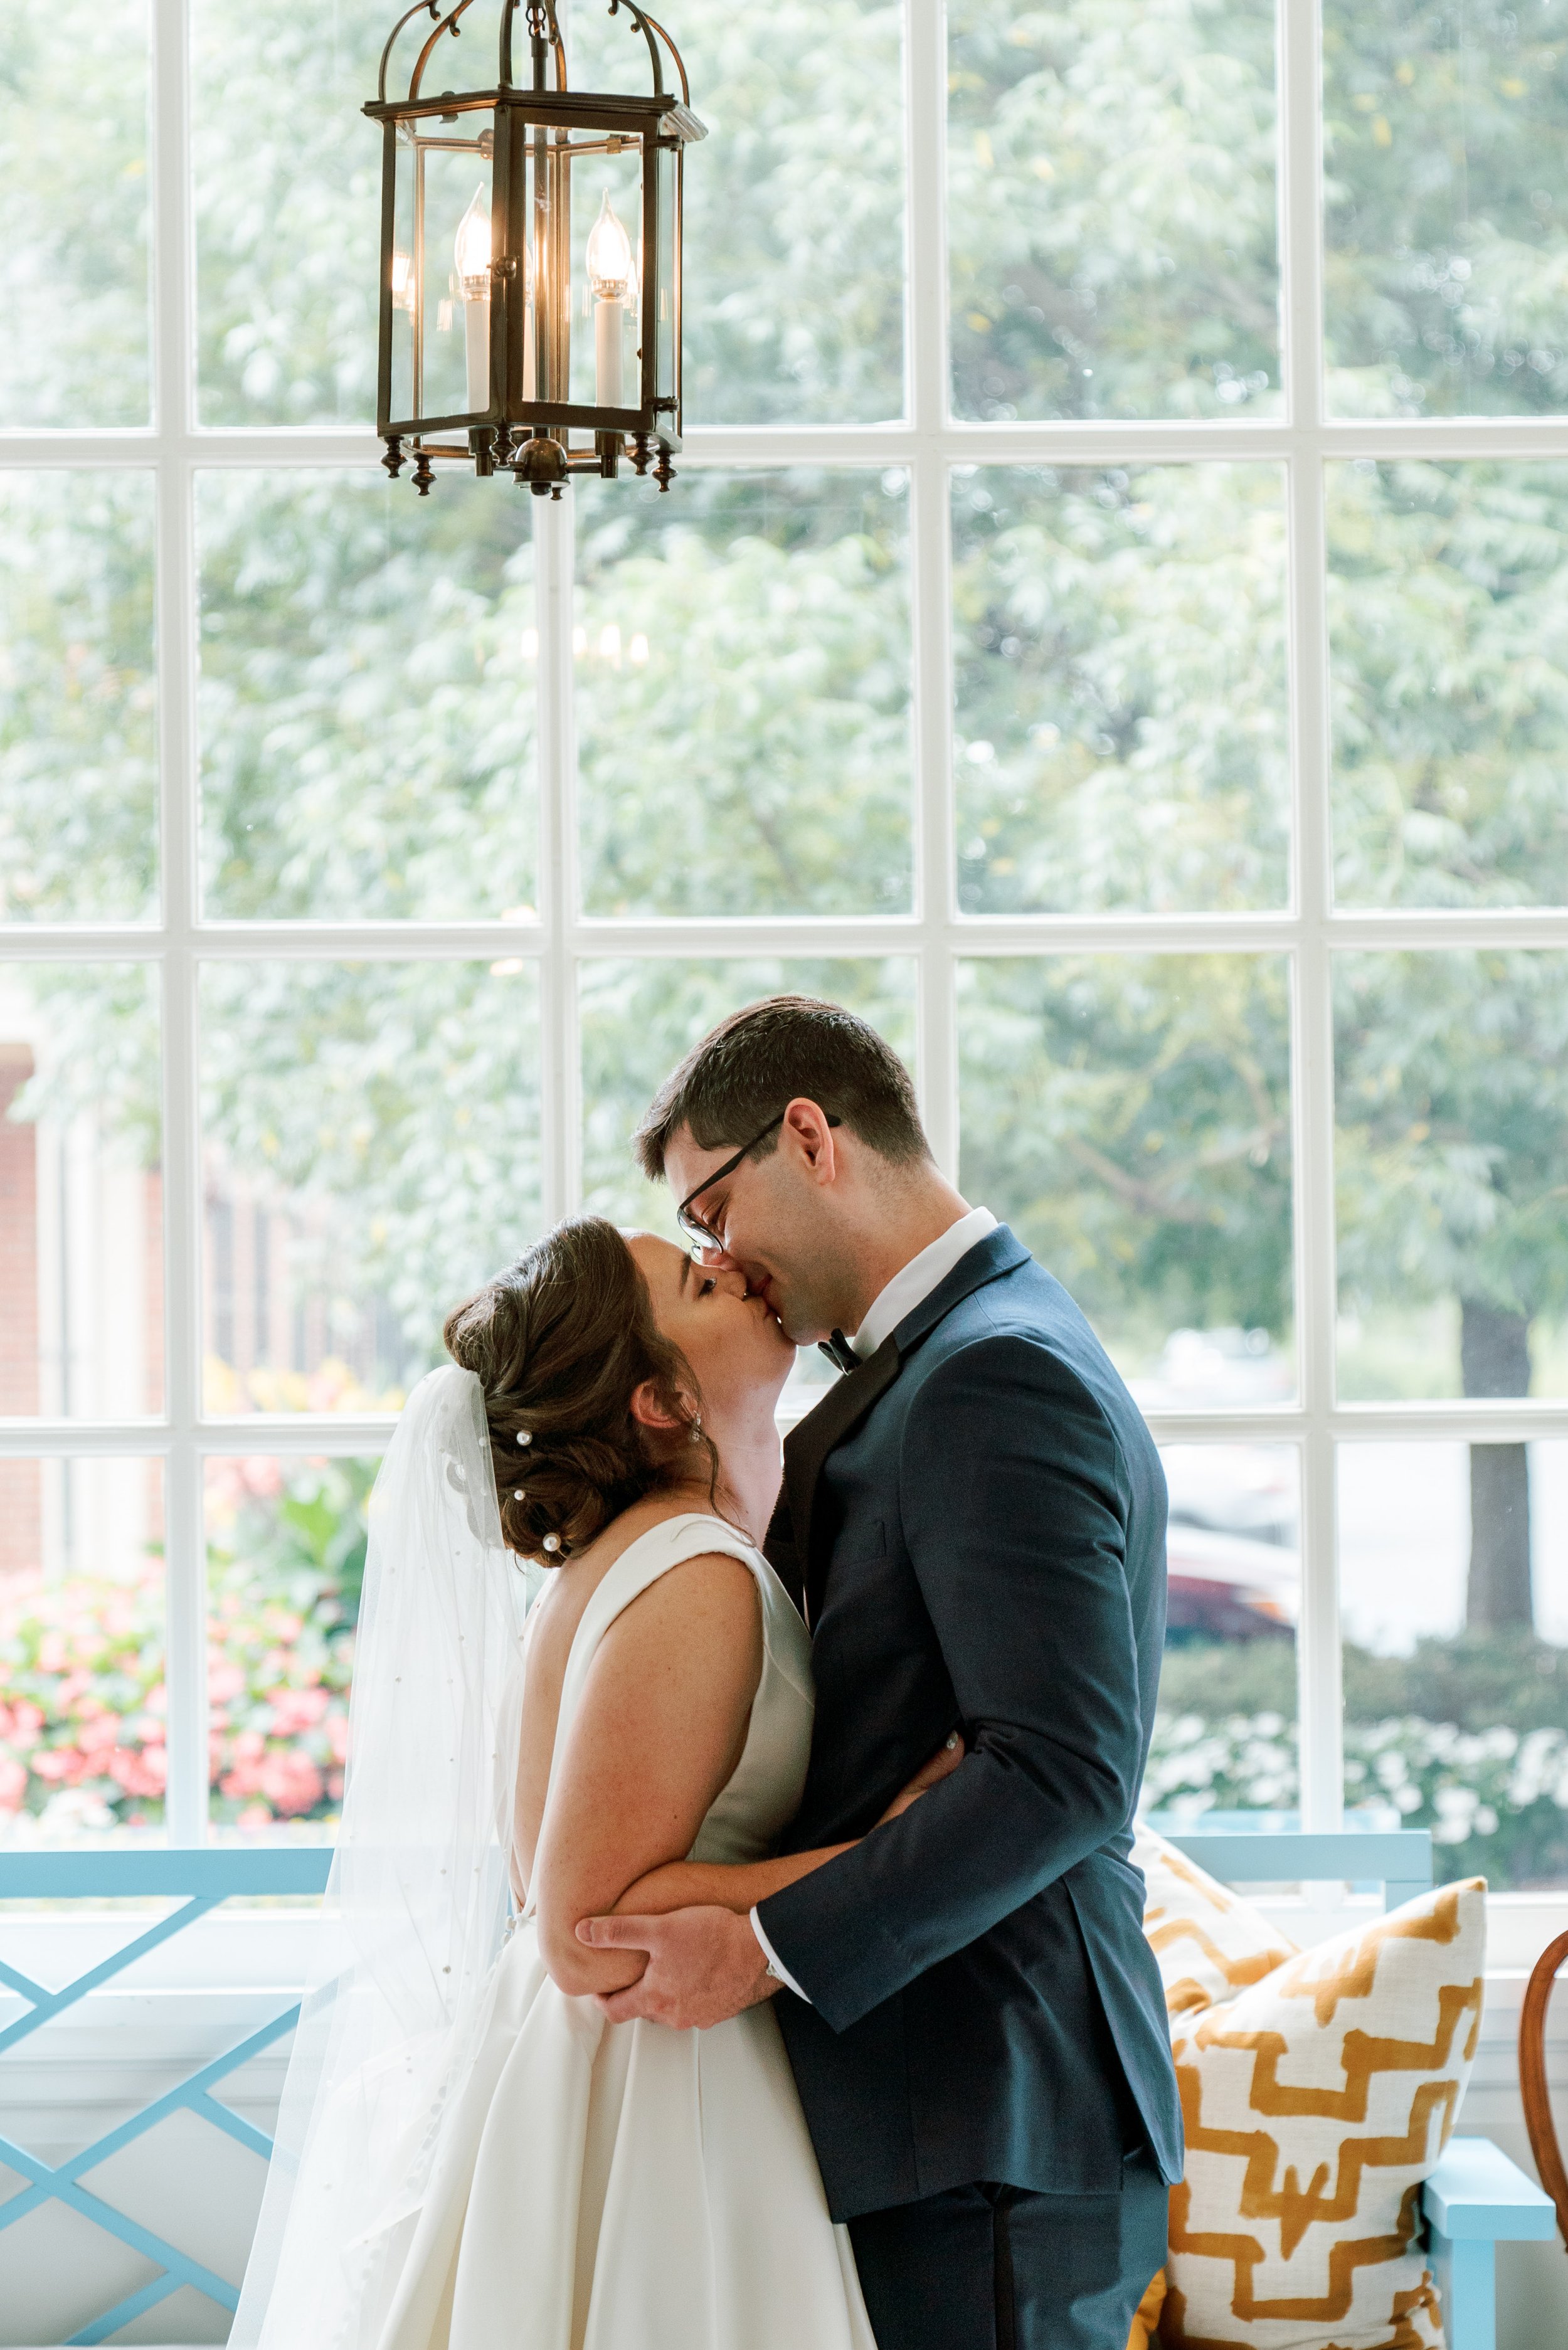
(534, 141)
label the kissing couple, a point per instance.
(737, 1947)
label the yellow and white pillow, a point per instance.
(1316, 2101)
(1209, 1943)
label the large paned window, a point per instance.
(1110, 628)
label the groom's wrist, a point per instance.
(778, 1975)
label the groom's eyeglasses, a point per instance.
(700, 1233)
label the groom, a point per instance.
(973, 1523)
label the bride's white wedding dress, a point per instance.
(657, 2190)
(466, 2158)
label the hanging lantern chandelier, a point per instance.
(530, 315)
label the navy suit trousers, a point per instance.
(999, 2268)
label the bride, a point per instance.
(469, 2155)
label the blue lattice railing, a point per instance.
(201, 1881)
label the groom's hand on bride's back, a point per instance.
(703, 1966)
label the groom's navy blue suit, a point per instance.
(975, 1522)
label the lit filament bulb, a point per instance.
(609, 253)
(472, 249)
(609, 273)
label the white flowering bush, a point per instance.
(1495, 1800)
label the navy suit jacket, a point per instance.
(975, 1522)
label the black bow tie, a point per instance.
(840, 1352)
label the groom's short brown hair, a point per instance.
(758, 1060)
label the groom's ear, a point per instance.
(808, 1132)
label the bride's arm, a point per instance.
(711, 1884)
(657, 1733)
(698, 1884)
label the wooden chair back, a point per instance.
(1538, 2119)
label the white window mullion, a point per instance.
(1312, 1054)
(555, 556)
(930, 586)
(174, 379)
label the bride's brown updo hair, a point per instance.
(559, 1343)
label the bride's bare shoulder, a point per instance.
(670, 1687)
(716, 1577)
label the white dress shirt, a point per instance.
(908, 1288)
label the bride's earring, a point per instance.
(697, 1429)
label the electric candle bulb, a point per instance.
(610, 272)
(470, 251)
(472, 248)
(609, 253)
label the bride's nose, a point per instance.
(732, 1282)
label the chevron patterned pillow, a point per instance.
(1316, 2101)
(1209, 1943)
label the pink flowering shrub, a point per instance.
(82, 1699)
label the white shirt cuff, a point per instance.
(774, 1961)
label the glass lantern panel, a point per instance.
(605, 270)
(401, 400)
(445, 287)
(542, 170)
(667, 277)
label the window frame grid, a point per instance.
(927, 443)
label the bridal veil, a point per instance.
(418, 1891)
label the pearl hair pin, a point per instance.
(524, 1436)
(552, 1542)
(520, 1495)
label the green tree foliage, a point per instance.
(366, 700)
(1448, 630)
(1132, 1113)
(366, 713)
(743, 705)
(398, 1105)
(286, 178)
(73, 177)
(78, 781)
(1453, 1075)
(1446, 134)
(1112, 174)
(1121, 688)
